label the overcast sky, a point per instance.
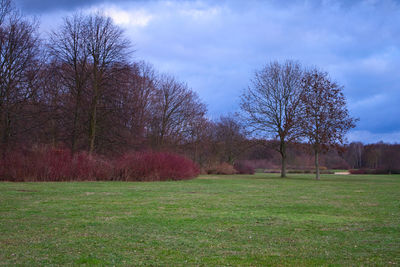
(215, 46)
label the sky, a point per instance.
(216, 46)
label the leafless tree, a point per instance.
(137, 98)
(325, 119)
(175, 107)
(19, 64)
(125, 108)
(106, 47)
(230, 137)
(271, 104)
(199, 141)
(5, 9)
(68, 47)
(354, 154)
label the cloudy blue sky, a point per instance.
(215, 46)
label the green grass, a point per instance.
(213, 220)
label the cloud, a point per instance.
(124, 17)
(370, 138)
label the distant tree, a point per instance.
(391, 158)
(324, 120)
(230, 138)
(174, 108)
(137, 95)
(126, 108)
(271, 104)
(199, 141)
(372, 156)
(354, 155)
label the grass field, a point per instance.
(212, 220)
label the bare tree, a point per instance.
(175, 107)
(140, 90)
(68, 47)
(230, 137)
(106, 47)
(19, 64)
(125, 108)
(325, 119)
(5, 9)
(199, 142)
(354, 155)
(271, 104)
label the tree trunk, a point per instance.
(75, 122)
(6, 130)
(5, 136)
(97, 77)
(283, 158)
(93, 121)
(93, 115)
(317, 176)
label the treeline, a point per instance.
(80, 88)
(371, 158)
(378, 158)
(78, 92)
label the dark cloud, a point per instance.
(43, 6)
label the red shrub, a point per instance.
(154, 166)
(244, 167)
(91, 167)
(39, 164)
(51, 164)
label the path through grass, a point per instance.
(213, 220)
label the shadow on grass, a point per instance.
(324, 178)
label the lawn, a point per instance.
(212, 220)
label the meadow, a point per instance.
(246, 220)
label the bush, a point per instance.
(243, 167)
(154, 166)
(52, 164)
(223, 168)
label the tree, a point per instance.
(174, 108)
(106, 48)
(324, 119)
(68, 47)
(137, 94)
(354, 155)
(199, 142)
(230, 137)
(19, 67)
(125, 111)
(271, 104)
(5, 9)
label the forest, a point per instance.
(77, 96)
